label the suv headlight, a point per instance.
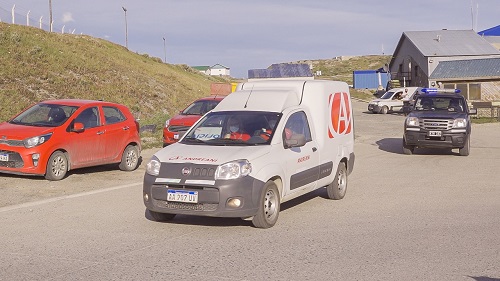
(233, 170)
(167, 123)
(35, 141)
(153, 167)
(460, 123)
(412, 121)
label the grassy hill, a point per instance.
(37, 65)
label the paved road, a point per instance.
(430, 216)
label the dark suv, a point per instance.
(439, 119)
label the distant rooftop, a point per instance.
(494, 31)
(484, 68)
(450, 43)
(282, 70)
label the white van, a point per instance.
(266, 143)
(394, 100)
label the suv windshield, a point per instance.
(451, 104)
(200, 107)
(234, 128)
(44, 115)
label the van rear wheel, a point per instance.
(384, 110)
(337, 189)
(269, 207)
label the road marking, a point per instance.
(76, 195)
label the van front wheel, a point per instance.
(269, 207)
(337, 189)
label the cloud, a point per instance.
(67, 17)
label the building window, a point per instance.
(475, 91)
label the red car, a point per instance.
(56, 136)
(179, 124)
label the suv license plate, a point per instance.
(182, 196)
(176, 136)
(4, 157)
(434, 133)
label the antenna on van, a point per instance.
(251, 90)
(302, 94)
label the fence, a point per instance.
(22, 16)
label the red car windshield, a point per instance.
(200, 107)
(44, 115)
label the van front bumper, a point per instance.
(213, 200)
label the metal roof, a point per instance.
(467, 69)
(450, 43)
(282, 70)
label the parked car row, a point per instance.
(53, 137)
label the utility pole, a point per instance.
(165, 50)
(50, 15)
(126, 27)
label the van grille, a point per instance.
(186, 206)
(436, 124)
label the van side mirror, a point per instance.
(78, 127)
(472, 111)
(296, 140)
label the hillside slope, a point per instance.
(38, 65)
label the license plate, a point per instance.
(182, 196)
(176, 136)
(434, 133)
(4, 157)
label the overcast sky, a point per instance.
(243, 34)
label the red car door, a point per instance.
(117, 134)
(86, 148)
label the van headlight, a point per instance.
(412, 122)
(167, 123)
(35, 141)
(153, 167)
(460, 123)
(233, 170)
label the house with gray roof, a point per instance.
(450, 59)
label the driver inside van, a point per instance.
(235, 130)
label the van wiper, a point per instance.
(193, 140)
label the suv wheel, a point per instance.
(464, 151)
(407, 149)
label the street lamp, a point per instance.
(165, 50)
(126, 28)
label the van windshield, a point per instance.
(387, 96)
(234, 128)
